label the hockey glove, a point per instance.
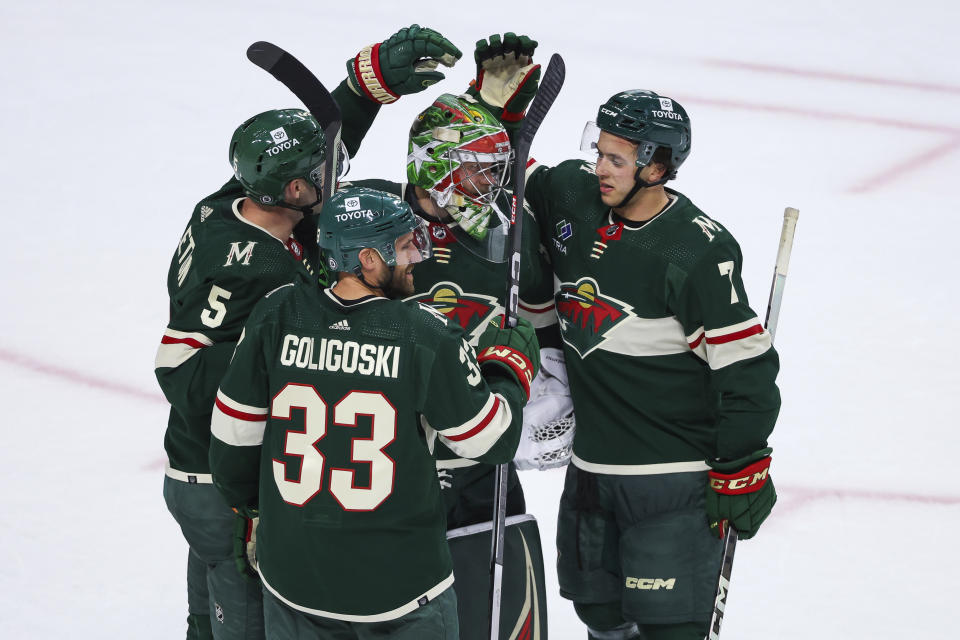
(741, 493)
(513, 351)
(245, 541)
(548, 423)
(506, 78)
(404, 63)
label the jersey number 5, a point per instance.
(302, 444)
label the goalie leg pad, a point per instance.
(523, 606)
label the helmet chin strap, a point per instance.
(386, 288)
(640, 183)
(306, 210)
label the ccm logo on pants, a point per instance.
(650, 583)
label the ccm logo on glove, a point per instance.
(520, 364)
(749, 479)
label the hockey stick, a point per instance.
(550, 86)
(790, 216)
(301, 81)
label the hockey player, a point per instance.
(242, 241)
(458, 170)
(317, 425)
(672, 376)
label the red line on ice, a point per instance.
(849, 78)
(77, 377)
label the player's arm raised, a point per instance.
(381, 73)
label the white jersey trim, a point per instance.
(478, 435)
(191, 478)
(393, 614)
(236, 424)
(729, 345)
(176, 347)
(637, 336)
(640, 469)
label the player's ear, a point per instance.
(295, 191)
(657, 171)
(369, 258)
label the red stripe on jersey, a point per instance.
(530, 162)
(190, 342)
(480, 427)
(696, 343)
(532, 310)
(738, 335)
(240, 415)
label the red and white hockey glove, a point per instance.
(404, 63)
(507, 79)
(513, 351)
(741, 493)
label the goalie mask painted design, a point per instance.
(461, 155)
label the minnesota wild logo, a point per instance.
(586, 316)
(469, 310)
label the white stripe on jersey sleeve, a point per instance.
(237, 424)
(476, 436)
(729, 345)
(176, 347)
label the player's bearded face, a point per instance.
(616, 168)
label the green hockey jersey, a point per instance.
(668, 364)
(470, 290)
(319, 419)
(223, 265)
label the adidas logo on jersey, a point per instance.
(343, 325)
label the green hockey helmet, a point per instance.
(361, 218)
(460, 153)
(273, 148)
(650, 120)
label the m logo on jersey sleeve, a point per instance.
(469, 310)
(586, 316)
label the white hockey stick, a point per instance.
(790, 216)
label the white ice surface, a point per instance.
(115, 121)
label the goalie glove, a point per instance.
(515, 352)
(245, 541)
(741, 493)
(507, 79)
(404, 63)
(548, 423)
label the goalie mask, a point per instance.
(361, 218)
(460, 154)
(275, 147)
(650, 120)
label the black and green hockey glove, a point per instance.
(741, 493)
(513, 351)
(404, 63)
(507, 79)
(245, 541)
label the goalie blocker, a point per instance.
(523, 608)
